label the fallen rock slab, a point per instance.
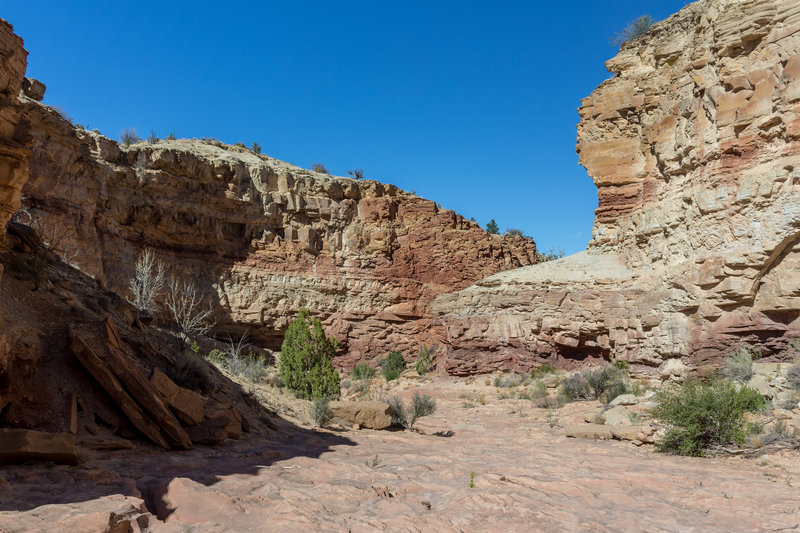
(602, 432)
(18, 445)
(371, 415)
(186, 404)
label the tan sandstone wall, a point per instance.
(261, 237)
(693, 146)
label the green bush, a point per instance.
(492, 227)
(601, 379)
(424, 360)
(306, 359)
(393, 365)
(701, 415)
(407, 416)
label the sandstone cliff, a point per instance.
(261, 237)
(693, 146)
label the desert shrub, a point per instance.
(622, 364)
(424, 360)
(701, 415)
(507, 381)
(393, 365)
(363, 371)
(634, 30)
(543, 370)
(216, 357)
(406, 416)
(190, 371)
(575, 387)
(129, 137)
(321, 411)
(538, 390)
(240, 145)
(255, 148)
(357, 173)
(153, 138)
(739, 365)
(601, 379)
(492, 227)
(319, 167)
(362, 376)
(514, 232)
(617, 388)
(550, 255)
(306, 359)
(793, 375)
(171, 136)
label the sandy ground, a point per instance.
(527, 477)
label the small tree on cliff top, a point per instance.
(634, 30)
(306, 355)
(492, 227)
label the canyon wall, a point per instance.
(694, 146)
(260, 237)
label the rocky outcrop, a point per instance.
(14, 128)
(261, 237)
(693, 146)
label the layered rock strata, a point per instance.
(260, 237)
(693, 146)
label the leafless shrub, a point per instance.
(185, 304)
(148, 281)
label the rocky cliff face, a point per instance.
(693, 146)
(14, 129)
(259, 236)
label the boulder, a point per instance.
(616, 416)
(624, 399)
(371, 415)
(761, 384)
(186, 404)
(228, 420)
(33, 89)
(18, 445)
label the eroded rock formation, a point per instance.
(259, 236)
(693, 146)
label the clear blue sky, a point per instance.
(471, 104)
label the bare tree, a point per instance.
(148, 281)
(185, 304)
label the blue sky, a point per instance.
(471, 104)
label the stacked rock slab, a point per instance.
(694, 148)
(260, 237)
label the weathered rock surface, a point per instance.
(261, 237)
(370, 415)
(19, 445)
(528, 476)
(14, 128)
(693, 146)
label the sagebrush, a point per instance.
(406, 416)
